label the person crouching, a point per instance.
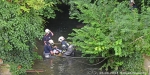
(47, 51)
(64, 43)
(69, 48)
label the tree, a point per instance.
(21, 23)
(112, 31)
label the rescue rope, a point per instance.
(74, 58)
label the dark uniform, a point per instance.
(64, 45)
(47, 46)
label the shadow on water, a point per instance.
(56, 65)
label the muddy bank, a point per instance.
(4, 68)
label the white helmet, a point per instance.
(51, 42)
(61, 38)
(47, 30)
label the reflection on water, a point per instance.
(64, 66)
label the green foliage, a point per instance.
(111, 31)
(134, 61)
(19, 31)
(49, 10)
(45, 8)
(27, 5)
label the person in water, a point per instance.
(47, 46)
(68, 49)
(64, 43)
(132, 4)
(56, 50)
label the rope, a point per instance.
(89, 57)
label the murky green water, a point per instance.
(62, 66)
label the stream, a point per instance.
(57, 65)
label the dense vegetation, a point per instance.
(21, 22)
(114, 31)
(111, 30)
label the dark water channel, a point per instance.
(56, 65)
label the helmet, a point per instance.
(61, 38)
(51, 42)
(47, 30)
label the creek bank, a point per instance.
(4, 68)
